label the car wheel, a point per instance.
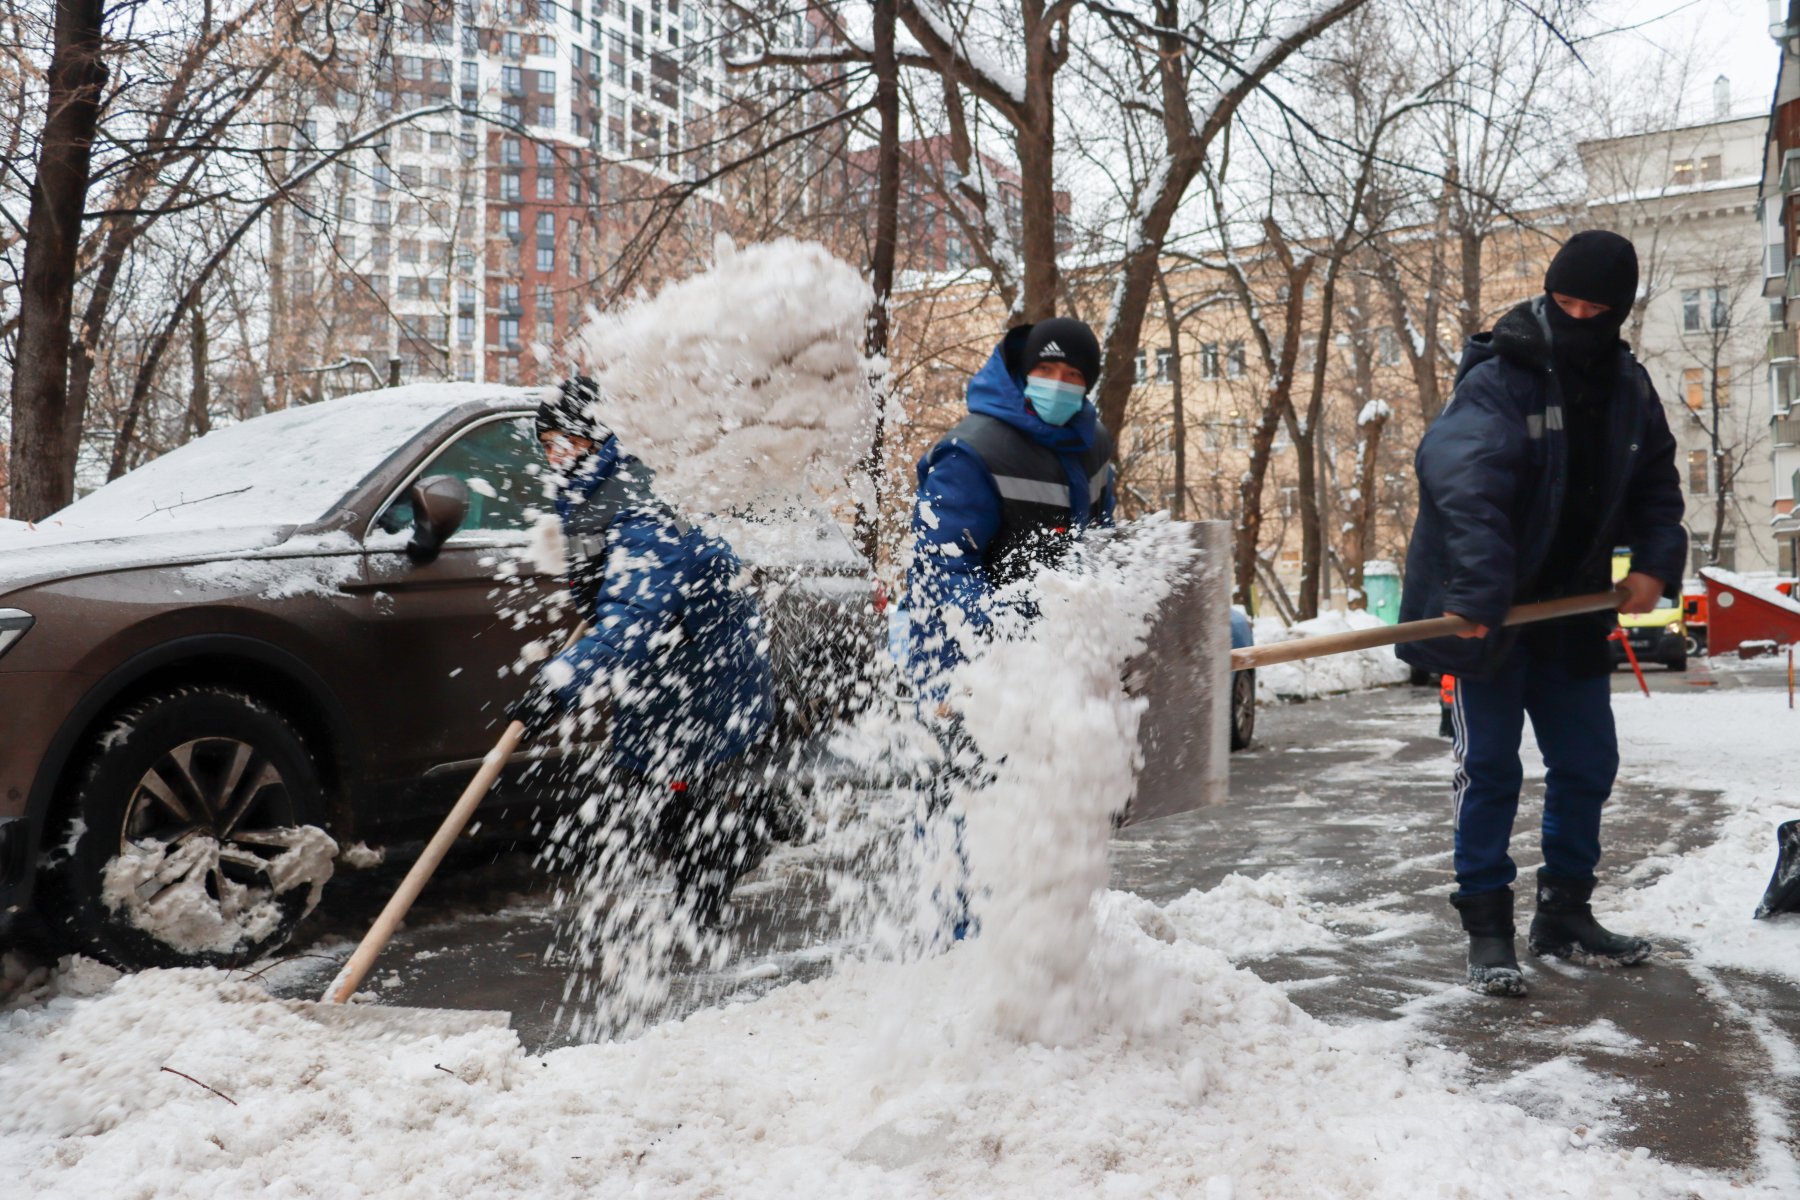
(1243, 708)
(190, 834)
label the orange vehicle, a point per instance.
(1693, 615)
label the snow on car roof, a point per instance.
(284, 468)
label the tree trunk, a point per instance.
(1470, 242)
(41, 474)
(199, 389)
(1306, 446)
(1178, 404)
(1362, 521)
(881, 266)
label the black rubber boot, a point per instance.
(1487, 917)
(1564, 927)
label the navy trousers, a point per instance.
(1572, 717)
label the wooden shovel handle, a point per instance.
(1245, 657)
(357, 968)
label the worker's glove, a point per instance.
(538, 710)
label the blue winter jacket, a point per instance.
(957, 512)
(1493, 471)
(679, 645)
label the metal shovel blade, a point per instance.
(1783, 895)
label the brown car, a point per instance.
(305, 624)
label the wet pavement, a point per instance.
(1346, 800)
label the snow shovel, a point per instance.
(1246, 657)
(1783, 895)
(357, 967)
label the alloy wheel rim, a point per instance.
(219, 789)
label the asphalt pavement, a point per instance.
(1348, 796)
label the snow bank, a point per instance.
(1741, 744)
(744, 386)
(1357, 671)
(179, 895)
(870, 1083)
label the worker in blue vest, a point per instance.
(1007, 489)
(1005, 492)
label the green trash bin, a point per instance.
(1381, 580)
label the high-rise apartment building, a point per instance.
(467, 241)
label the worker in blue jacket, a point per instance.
(1007, 489)
(677, 653)
(1552, 451)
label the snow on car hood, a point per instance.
(51, 551)
(283, 468)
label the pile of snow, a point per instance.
(1251, 919)
(178, 894)
(745, 386)
(1357, 671)
(873, 1082)
(1741, 744)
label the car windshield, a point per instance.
(285, 468)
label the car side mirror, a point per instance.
(439, 504)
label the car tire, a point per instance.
(1243, 708)
(1678, 663)
(228, 784)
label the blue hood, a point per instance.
(999, 391)
(589, 474)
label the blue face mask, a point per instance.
(1053, 400)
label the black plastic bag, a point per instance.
(1783, 895)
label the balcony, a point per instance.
(1793, 280)
(1785, 430)
(1782, 345)
(1790, 172)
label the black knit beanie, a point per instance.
(1598, 266)
(1064, 340)
(573, 409)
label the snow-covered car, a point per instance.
(297, 629)
(1243, 684)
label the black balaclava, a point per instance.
(1064, 340)
(572, 410)
(1601, 267)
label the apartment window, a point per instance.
(409, 250)
(1683, 172)
(412, 139)
(546, 258)
(546, 82)
(546, 46)
(407, 214)
(541, 300)
(346, 248)
(471, 76)
(512, 112)
(380, 213)
(384, 177)
(1721, 308)
(512, 45)
(1289, 500)
(1712, 169)
(408, 176)
(440, 142)
(1693, 388)
(378, 249)
(509, 223)
(1138, 374)
(546, 116)
(546, 186)
(1164, 365)
(1209, 360)
(1697, 472)
(1240, 435)
(1387, 347)
(509, 332)
(465, 328)
(511, 151)
(509, 297)
(512, 81)
(509, 186)
(1234, 360)
(1690, 311)
(347, 208)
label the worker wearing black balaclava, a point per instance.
(1553, 450)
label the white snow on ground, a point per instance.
(1249, 919)
(1741, 744)
(1316, 677)
(164, 890)
(880, 1081)
(742, 386)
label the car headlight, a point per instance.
(13, 624)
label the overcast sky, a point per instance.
(1728, 37)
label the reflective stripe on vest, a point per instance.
(1031, 491)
